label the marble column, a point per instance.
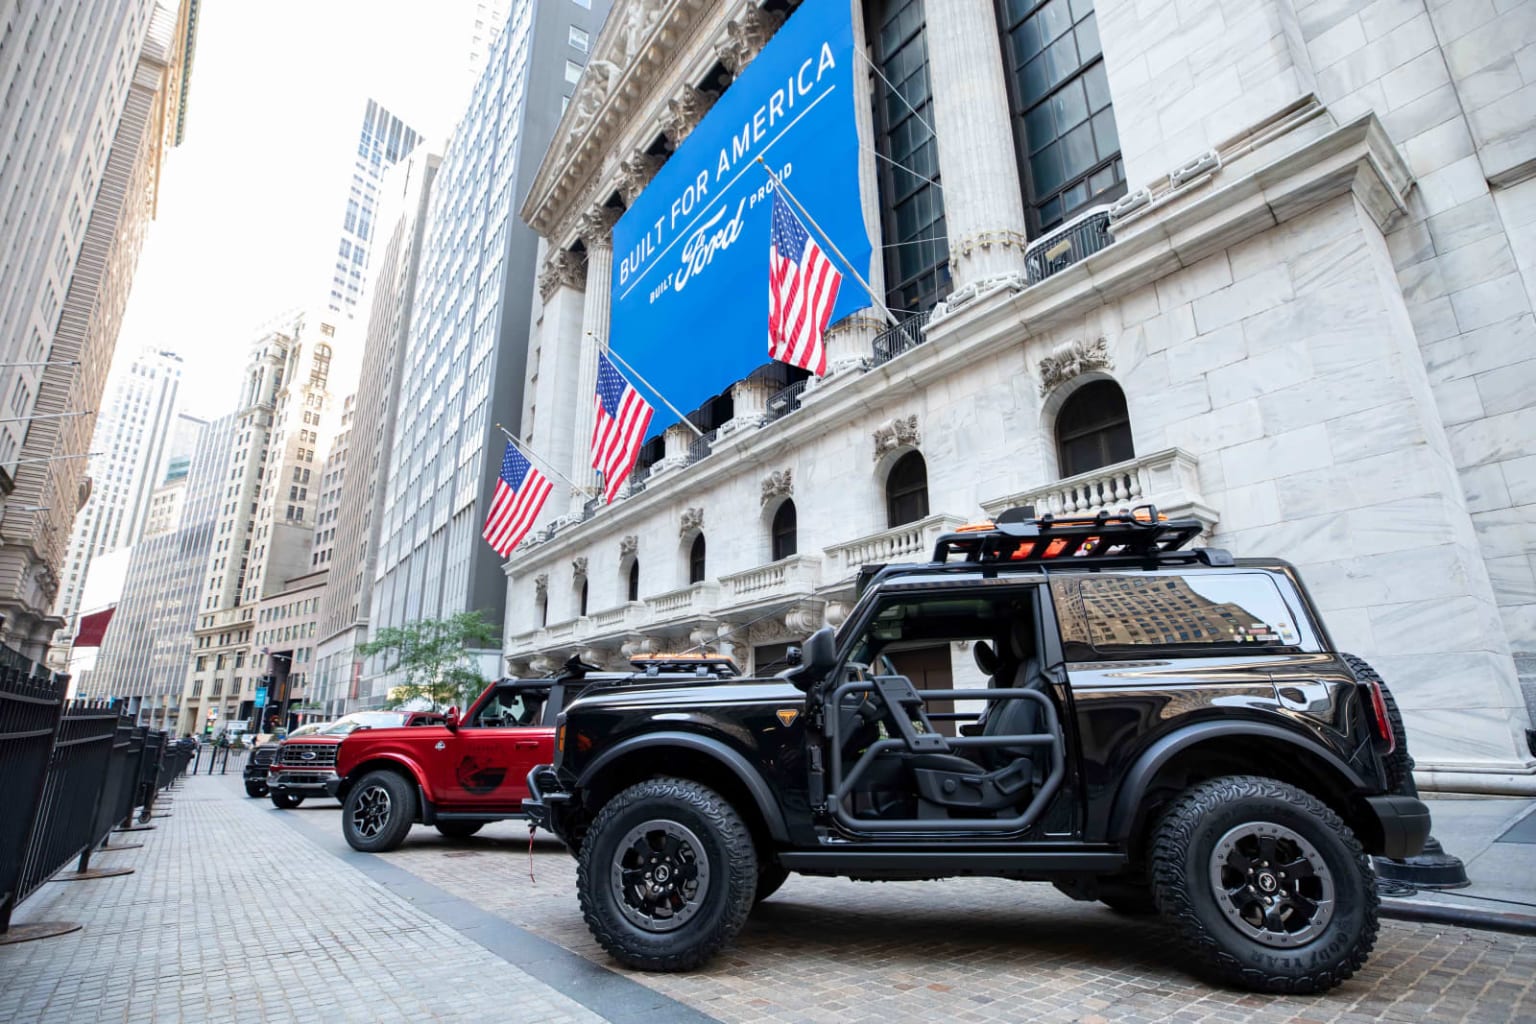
(983, 203)
(548, 416)
(596, 232)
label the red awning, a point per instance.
(93, 627)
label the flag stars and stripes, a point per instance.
(802, 289)
(520, 494)
(622, 420)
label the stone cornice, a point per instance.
(1357, 158)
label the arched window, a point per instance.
(583, 610)
(1093, 429)
(634, 580)
(543, 603)
(906, 490)
(696, 560)
(784, 527)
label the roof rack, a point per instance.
(1018, 538)
(699, 664)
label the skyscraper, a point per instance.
(384, 139)
(345, 606)
(130, 453)
(93, 93)
(465, 358)
(144, 654)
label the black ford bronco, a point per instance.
(1162, 729)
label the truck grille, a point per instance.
(307, 755)
(264, 755)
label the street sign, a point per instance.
(261, 696)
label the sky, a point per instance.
(251, 204)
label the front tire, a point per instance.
(667, 875)
(459, 829)
(378, 812)
(1265, 887)
(286, 801)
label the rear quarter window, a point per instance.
(1223, 612)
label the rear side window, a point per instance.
(1226, 610)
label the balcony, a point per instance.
(617, 618)
(793, 577)
(694, 600)
(1169, 479)
(908, 542)
(1074, 241)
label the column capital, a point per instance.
(562, 269)
(684, 111)
(636, 172)
(595, 227)
(745, 37)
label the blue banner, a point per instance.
(690, 256)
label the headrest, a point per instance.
(1021, 635)
(986, 657)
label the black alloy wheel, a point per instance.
(378, 812)
(1266, 887)
(667, 875)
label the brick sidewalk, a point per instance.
(232, 915)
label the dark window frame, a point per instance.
(899, 492)
(634, 580)
(784, 531)
(1106, 429)
(1011, 15)
(697, 553)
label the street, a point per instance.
(241, 912)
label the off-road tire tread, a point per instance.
(1399, 764)
(399, 825)
(740, 877)
(1175, 831)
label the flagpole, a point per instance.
(547, 465)
(778, 183)
(651, 387)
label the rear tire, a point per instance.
(256, 789)
(285, 801)
(378, 812)
(667, 875)
(1264, 886)
(459, 829)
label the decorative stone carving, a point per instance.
(628, 546)
(684, 112)
(637, 645)
(596, 226)
(803, 619)
(966, 294)
(692, 521)
(636, 172)
(1071, 361)
(591, 94)
(563, 268)
(896, 433)
(746, 37)
(541, 586)
(837, 612)
(640, 18)
(579, 567)
(542, 666)
(778, 484)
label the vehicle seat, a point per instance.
(1015, 717)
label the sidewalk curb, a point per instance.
(1461, 917)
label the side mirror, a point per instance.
(793, 656)
(816, 660)
(451, 719)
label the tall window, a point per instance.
(696, 560)
(916, 253)
(784, 529)
(583, 602)
(1064, 127)
(634, 580)
(906, 490)
(1093, 429)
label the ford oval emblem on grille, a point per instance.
(308, 755)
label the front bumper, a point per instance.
(1403, 822)
(304, 783)
(546, 803)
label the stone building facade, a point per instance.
(1267, 263)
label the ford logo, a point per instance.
(308, 755)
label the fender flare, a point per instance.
(728, 757)
(408, 768)
(1126, 810)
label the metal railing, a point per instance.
(31, 703)
(701, 446)
(1075, 240)
(782, 403)
(904, 337)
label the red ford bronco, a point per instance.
(302, 766)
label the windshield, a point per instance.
(366, 720)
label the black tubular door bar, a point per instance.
(932, 742)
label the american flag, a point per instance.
(520, 494)
(802, 289)
(622, 419)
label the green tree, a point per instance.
(433, 658)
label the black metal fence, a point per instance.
(69, 773)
